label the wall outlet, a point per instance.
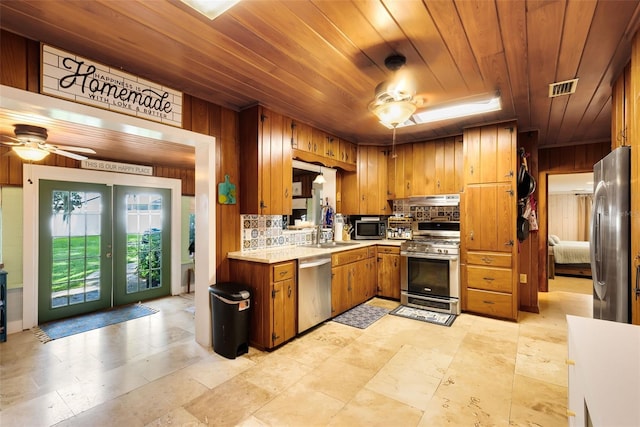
(523, 278)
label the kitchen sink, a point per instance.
(329, 245)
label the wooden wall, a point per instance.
(20, 59)
(528, 259)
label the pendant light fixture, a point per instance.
(320, 179)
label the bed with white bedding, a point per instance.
(569, 257)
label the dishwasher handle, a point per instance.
(314, 263)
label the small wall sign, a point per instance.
(81, 80)
(102, 165)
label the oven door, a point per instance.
(431, 281)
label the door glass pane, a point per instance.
(144, 241)
(75, 244)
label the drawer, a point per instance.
(347, 257)
(284, 271)
(494, 304)
(490, 279)
(389, 250)
(491, 259)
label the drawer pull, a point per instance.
(489, 279)
(487, 259)
(488, 302)
(283, 273)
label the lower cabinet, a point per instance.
(273, 299)
(490, 285)
(353, 278)
(388, 267)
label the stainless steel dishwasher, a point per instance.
(314, 291)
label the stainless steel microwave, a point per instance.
(370, 229)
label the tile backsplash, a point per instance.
(266, 232)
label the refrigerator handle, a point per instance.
(596, 234)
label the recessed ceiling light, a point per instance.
(211, 8)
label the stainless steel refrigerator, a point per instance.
(610, 237)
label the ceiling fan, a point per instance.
(30, 143)
(395, 99)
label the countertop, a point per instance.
(605, 372)
(288, 253)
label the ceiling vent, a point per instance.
(562, 88)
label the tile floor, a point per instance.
(400, 372)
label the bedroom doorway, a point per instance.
(569, 228)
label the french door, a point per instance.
(101, 246)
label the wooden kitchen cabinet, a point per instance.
(365, 192)
(273, 290)
(489, 214)
(426, 168)
(265, 175)
(353, 279)
(348, 152)
(388, 267)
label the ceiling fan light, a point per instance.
(30, 153)
(458, 110)
(394, 112)
(211, 8)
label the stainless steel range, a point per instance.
(430, 263)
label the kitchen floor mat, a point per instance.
(443, 319)
(361, 316)
(75, 325)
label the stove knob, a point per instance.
(446, 251)
(439, 250)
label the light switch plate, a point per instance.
(523, 278)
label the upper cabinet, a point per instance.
(490, 154)
(365, 192)
(266, 166)
(425, 168)
(316, 146)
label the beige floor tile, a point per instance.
(45, 410)
(542, 360)
(442, 411)
(411, 376)
(178, 417)
(310, 350)
(214, 370)
(338, 379)
(369, 408)
(110, 413)
(537, 402)
(229, 403)
(275, 373)
(363, 355)
(299, 406)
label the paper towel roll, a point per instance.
(337, 235)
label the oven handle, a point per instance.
(429, 256)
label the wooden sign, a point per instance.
(81, 80)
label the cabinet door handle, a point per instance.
(289, 291)
(286, 193)
(509, 243)
(471, 235)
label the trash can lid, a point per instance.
(230, 291)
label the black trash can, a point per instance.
(230, 319)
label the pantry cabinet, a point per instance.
(488, 227)
(353, 278)
(388, 266)
(265, 175)
(273, 300)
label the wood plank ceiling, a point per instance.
(320, 61)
